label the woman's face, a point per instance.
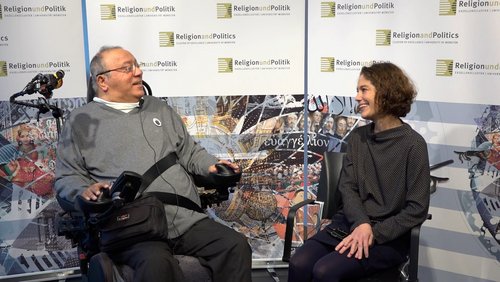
(496, 140)
(24, 137)
(365, 97)
(316, 118)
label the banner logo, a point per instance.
(447, 7)
(193, 38)
(225, 65)
(388, 37)
(264, 10)
(444, 67)
(327, 64)
(167, 39)
(159, 65)
(108, 12)
(224, 10)
(328, 9)
(3, 68)
(452, 7)
(355, 9)
(383, 37)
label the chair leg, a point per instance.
(414, 249)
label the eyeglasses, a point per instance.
(125, 69)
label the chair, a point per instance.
(327, 193)
(96, 265)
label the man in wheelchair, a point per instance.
(123, 130)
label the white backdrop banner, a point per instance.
(267, 54)
(207, 47)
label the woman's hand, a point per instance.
(358, 242)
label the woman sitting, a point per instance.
(384, 186)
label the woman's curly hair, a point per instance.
(395, 90)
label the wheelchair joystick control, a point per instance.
(225, 175)
(123, 190)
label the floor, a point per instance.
(258, 275)
(263, 275)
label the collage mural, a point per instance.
(483, 163)
(263, 134)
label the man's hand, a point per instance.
(94, 190)
(235, 167)
(358, 242)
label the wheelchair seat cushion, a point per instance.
(102, 268)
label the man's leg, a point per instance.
(224, 251)
(151, 261)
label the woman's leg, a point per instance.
(334, 266)
(303, 261)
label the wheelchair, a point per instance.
(76, 222)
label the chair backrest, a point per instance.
(328, 183)
(91, 93)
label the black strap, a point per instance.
(176, 200)
(167, 198)
(156, 169)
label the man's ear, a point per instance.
(101, 83)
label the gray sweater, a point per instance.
(98, 143)
(385, 180)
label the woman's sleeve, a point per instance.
(417, 201)
(352, 205)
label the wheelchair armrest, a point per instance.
(441, 164)
(66, 205)
(439, 179)
(289, 228)
(88, 207)
(83, 206)
(224, 178)
(216, 185)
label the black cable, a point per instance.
(159, 172)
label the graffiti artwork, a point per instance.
(483, 161)
(263, 134)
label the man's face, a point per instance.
(122, 84)
(329, 123)
(341, 128)
(291, 120)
